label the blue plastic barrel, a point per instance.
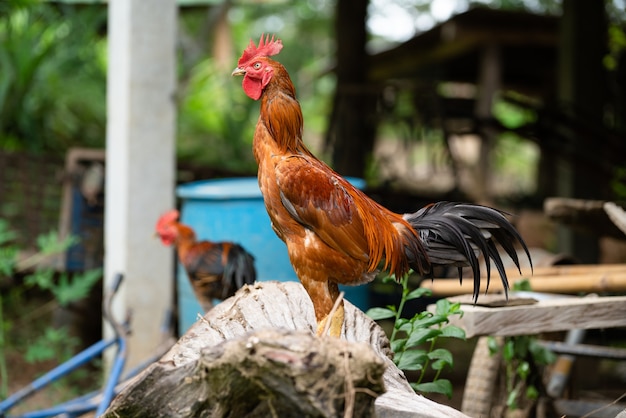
(233, 210)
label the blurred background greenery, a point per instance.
(53, 59)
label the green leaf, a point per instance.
(380, 313)
(418, 293)
(412, 360)
(401, 323)
(511, 400)
(493, 345)
(439, 365)
(406, 327)
(44, 279)
(452, 331)
(521, 344)
(398, 345)
(390, 278)
(48, 346)
(508, 351)
(441, 354)
(522, 285)
(51, 244)
(442, 386)
(6, 235)
(455, 309)
(523, 370)
(442, 307)
(8, 257)
(532, 393)
(420, 336)
(39, 352)
(541, 355)
(430, 321)
(68, 291)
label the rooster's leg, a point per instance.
(336, 322)
(323, 294)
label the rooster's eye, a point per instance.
(257, 65)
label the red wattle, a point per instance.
(253, 88)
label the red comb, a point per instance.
(267, 47)
(167, 218)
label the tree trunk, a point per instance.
(352, 127)
(580, 165)
(255, 355)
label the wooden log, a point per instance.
(579, 283)
(255, 355)
(266, 373)
(544, 316)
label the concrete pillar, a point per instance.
(140, 162)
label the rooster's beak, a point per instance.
(238, 71)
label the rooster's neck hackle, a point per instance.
(281, 113)
(185, 238)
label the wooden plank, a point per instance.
(581, 283)
(544, 316)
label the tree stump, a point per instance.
(256, 355)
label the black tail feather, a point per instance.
(239, 270)
(456, 233)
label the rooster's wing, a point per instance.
(324, 203)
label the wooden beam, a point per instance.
(587, 216)
(545, 316)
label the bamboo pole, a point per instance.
(570, 269)
(577, 283)
(574, 269)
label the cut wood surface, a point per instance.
(543, 316)
(255, 355)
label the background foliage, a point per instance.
(53, 73)
(53, 82)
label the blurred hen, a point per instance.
(216, 270)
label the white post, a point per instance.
(140, 161)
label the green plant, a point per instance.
(521, 356)
(414, 341)
(52, 343)
(52, 76)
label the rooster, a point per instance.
(216, 270)
(335, 234)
